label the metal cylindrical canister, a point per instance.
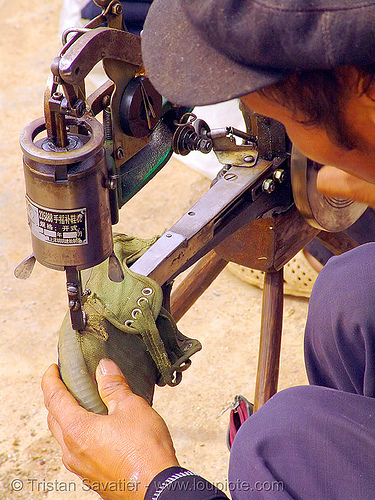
(67, 195)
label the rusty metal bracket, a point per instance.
(225, 208)
(228, 152)
(96, 45)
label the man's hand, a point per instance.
(332, 181)
(130, 445)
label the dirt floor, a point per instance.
(226, 318)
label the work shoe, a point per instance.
(126, 323)
(299, 276)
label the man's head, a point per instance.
(306, 63)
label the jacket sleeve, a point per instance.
(177, 483)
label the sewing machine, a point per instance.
(259, 212)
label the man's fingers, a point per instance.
(112, 385)
(332, 181)
(55, 428)
(57, 399)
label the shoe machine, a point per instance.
(88, 155)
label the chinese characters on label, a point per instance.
(59, 227)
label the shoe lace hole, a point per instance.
(147, 291)
(129, 322)
(142, 299)
(135, 312)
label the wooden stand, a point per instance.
(270, 338)
(195, 283)
(208, 268)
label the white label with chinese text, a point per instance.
(58, 227)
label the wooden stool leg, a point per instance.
(270, 338)
(337, 243)
(195, 283)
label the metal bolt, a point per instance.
(72, 289)
(248, 159)
(120, 153)
(168, 235)
(80, 107)
(74, 305)
(205, 145)
(279, 175)
(106, 101)
(230, 177)
(268, 186)
(117, 9)
(57, 95)
(112, 183)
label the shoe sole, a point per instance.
(74, 372)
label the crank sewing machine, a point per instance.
(260, 211)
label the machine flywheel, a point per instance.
(320, 211)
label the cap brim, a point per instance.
(187, 70)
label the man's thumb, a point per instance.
(112, 384)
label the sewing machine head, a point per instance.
(80, 172)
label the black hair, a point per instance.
(320, 95)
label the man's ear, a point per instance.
(366, 90)
(365, 95)
(370, 92)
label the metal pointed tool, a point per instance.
(115, 272)
(25, 268)
(74, 289)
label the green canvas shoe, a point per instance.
(126, 323)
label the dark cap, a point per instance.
(206, 51)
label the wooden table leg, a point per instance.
(195, 283)
(270, 338)
(337, 243)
